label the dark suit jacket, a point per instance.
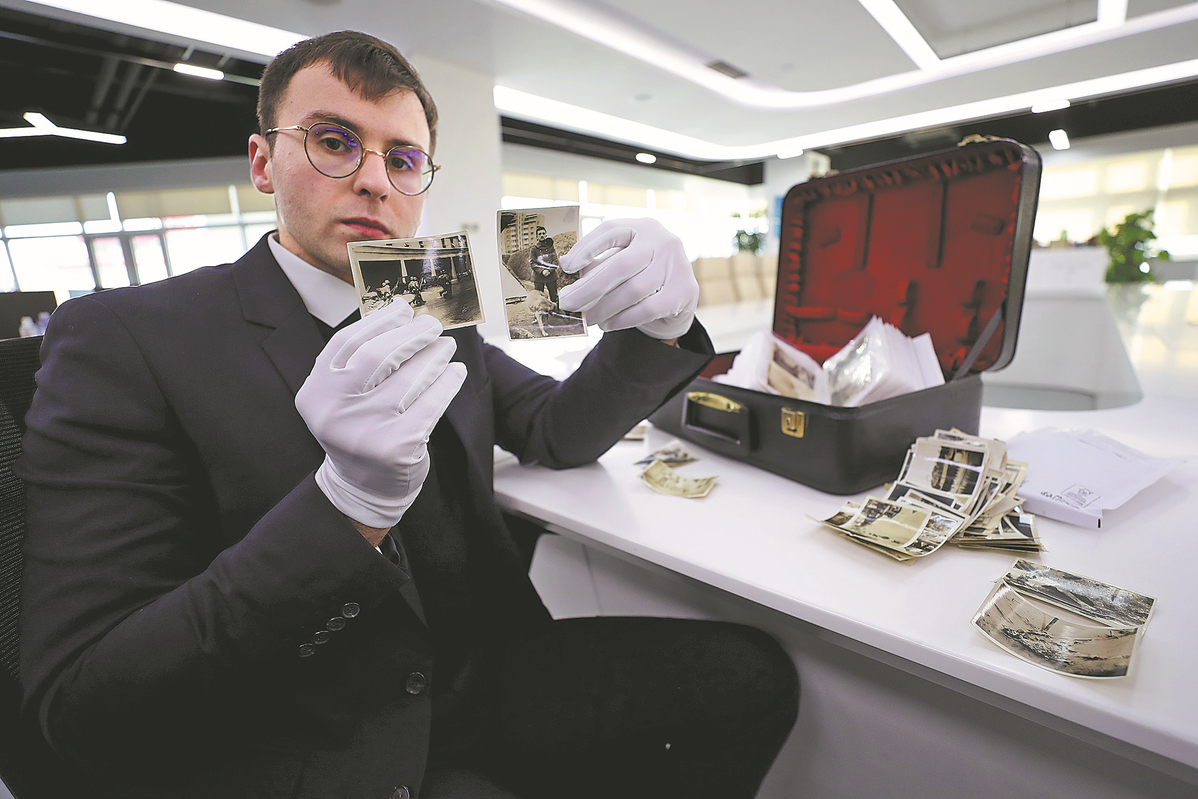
(180, 560)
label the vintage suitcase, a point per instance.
(934, 243)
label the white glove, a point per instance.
(647, 283)
(377, 390)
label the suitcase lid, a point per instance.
(934, 243)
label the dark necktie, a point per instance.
(388, 547)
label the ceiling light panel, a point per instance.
(183, 22)
(784, 44)
(953, 27)
(1137, 8)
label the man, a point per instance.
(263, 554)
(545, 265)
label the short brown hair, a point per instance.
(368, 66)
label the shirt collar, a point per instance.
(328, 298)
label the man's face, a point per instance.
(318, 215)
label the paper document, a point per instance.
(1074, 475)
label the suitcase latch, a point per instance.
(794, 423)
(714, 401)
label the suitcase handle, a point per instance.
(737, 414)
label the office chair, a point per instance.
(28, 767)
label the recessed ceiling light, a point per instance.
(1059, 139)
(192, 24)
(1049, 105)
(199, 72)
(646, 158)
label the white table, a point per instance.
(902, 696)
(751, 540)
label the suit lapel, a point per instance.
(269, 300)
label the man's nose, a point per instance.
(371, 176)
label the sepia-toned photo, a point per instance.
(433, 274)
(531, 244)
(887, 523)
(788, 377)
(664, 480)
(1024, 629)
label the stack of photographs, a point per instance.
(953, 488)
(1084, 628)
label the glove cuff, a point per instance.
(361, 506)
(671, 327)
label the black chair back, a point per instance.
(28, 767)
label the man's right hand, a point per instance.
(377, 390)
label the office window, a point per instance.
(701, 214)
(59, 263)
(1183, 171)
(7, 279)
(191, 248)
(255, 232)
(1060, 183)
(110, 262)
(164, 232)
(1074, 225)
(149, 258)
(1132, 176)
(1171, 217)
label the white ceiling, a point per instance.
(819, 72)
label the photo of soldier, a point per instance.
(531, 243)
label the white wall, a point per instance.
(780, 176)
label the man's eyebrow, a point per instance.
(328, 116)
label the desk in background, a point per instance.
(902, 697)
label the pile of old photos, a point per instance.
(954, 488)
(1086, 628)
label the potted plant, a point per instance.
(750, 241)
(1129, 244)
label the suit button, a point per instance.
(336, 623)
(401, 792)
(321, 637)
(416, 683)
(306, 650)
(350, 609)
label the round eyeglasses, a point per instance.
(337, 152)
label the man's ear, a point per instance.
(261, 165)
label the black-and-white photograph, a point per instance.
(433, 274)
(955, 470)
(1027, 631)
(531, 244)
(1085, 596)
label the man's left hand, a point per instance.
(646, 281)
